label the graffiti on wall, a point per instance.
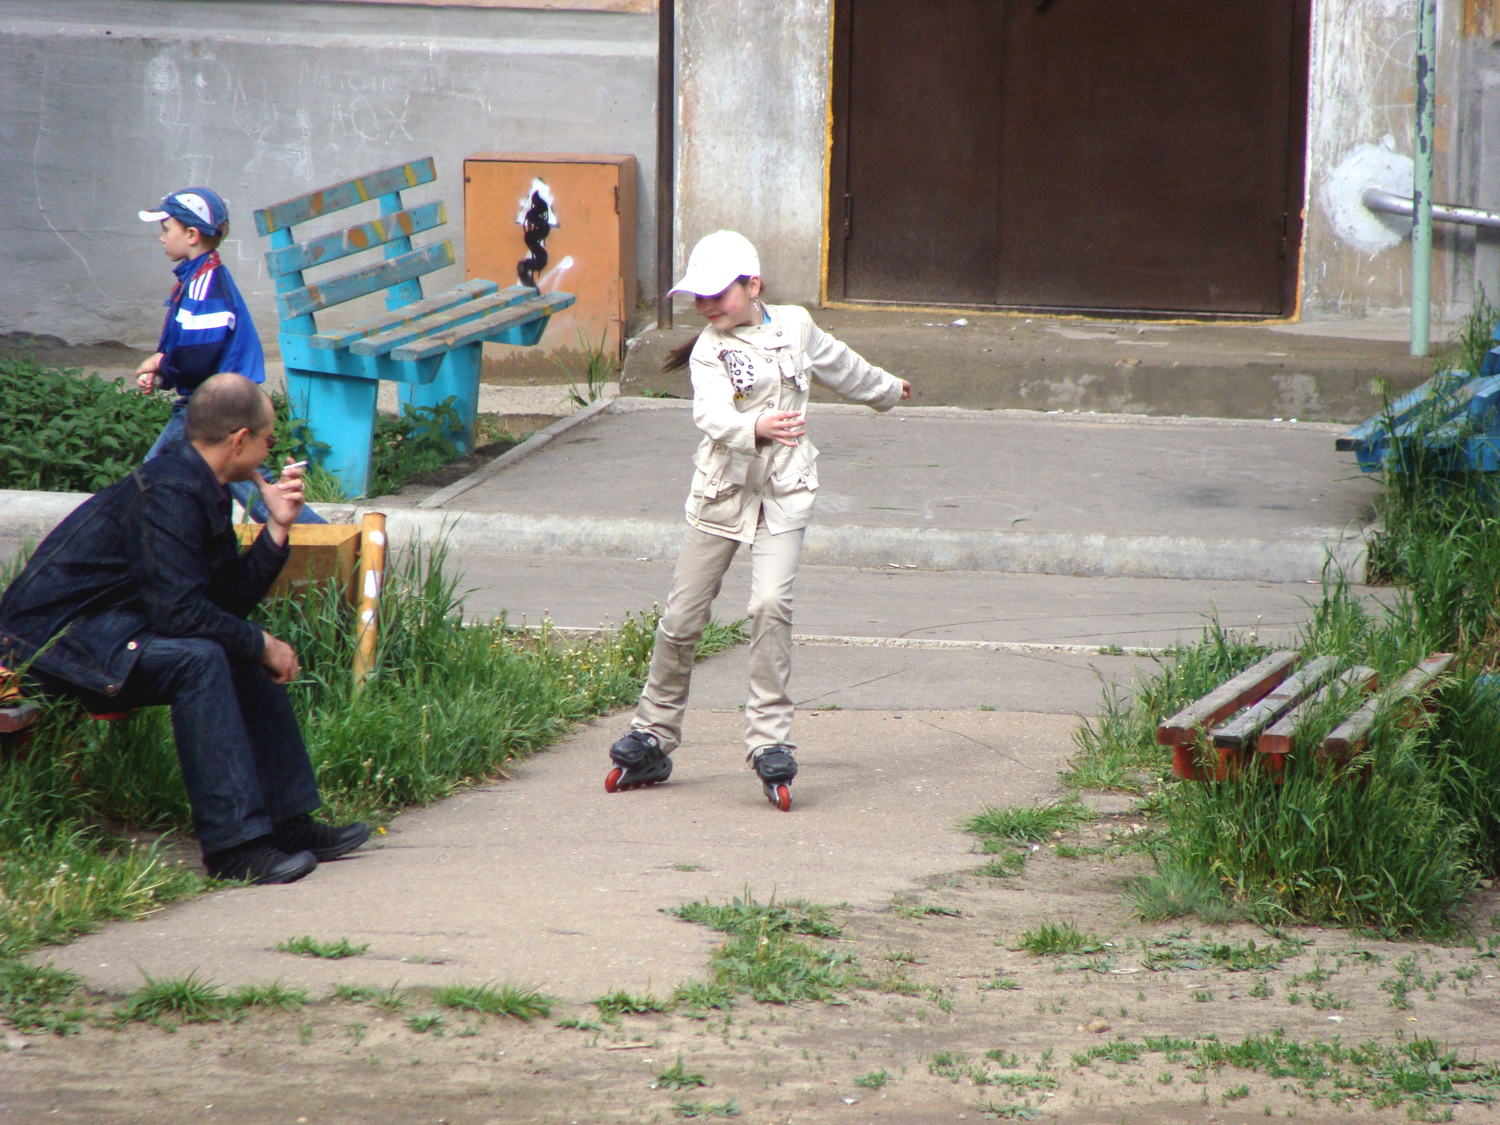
(537, 218)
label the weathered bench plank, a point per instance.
(343, 337)
(336, 197)
(366, 236)
(1276, 741)
(1240, 731)
(1249, 686)
(531, 313)
(365, 280)
(441, 321)
(1350, 736)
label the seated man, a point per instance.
(143, 593)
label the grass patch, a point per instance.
(523, 1004)
(745, 915)
(706, 1109)
(41, 998)
(188, 998)
(274, 995)
(874, 1080)
(1029, 825)
(675, 1077)
(1057, 939)
(621, 1003)
(761, 954)
(306, 946)
(699, 998)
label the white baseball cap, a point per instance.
(717, 262)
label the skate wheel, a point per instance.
(612, 780)
(783, 798)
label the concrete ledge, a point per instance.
(33, 514)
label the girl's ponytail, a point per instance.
(678, 357)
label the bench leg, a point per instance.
(340, 412)
(458, 378)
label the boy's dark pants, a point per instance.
(243, 760)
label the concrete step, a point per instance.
(1320, 372)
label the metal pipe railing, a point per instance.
(1389, 203)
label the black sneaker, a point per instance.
(259, 862)
(325, 841)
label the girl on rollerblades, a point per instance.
(755, 480)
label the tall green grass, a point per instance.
(1396, 842)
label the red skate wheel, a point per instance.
(612, 780)
(784, 798)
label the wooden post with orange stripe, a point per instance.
(370, 580)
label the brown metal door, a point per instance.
(1109, 155)
(1145, 159)
(915, 200)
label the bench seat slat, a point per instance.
(1249, 686)
(366, 236)
(336, 197)
(1400, 411)
(1278, 739)
(357, 283)
(1350, 735)
(1242, 729)
(535, 309)
(441, 321)
(343, 337)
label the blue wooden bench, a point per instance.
(1453, 415)
(430, 345)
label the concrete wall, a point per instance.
(752, 133)
(105, 105)
(1361, 126)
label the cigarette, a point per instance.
(294, 465)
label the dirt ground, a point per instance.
(962, 1025)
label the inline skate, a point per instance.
(776, 767)
(638, 760)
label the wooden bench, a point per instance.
(1453, 415)
(430, 345)
(1263, 708)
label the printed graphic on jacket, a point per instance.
(741, 368)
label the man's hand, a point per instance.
(781, 426)
(280, 660)
(905, 389)
(284, 500)
(146, 374)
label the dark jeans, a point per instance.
(243, 760)
(245, 491)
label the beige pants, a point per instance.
(695, 584)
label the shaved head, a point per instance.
(224, 404)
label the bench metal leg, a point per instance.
(457, 377)
(340, 412)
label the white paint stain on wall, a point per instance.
(1366, 166)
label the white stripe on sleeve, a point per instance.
(197, 322)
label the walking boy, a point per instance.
(208, 328)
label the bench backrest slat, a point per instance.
(357, 283)
(366, 236)
(338, 196)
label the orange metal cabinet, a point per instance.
(582, 215)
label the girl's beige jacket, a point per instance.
(739, 375)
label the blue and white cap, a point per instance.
(193, 207)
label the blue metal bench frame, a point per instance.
(431, 346)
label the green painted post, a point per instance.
(1421, 232)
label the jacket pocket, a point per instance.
(798, 472)
(714, 500)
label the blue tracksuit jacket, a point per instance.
(208, 328)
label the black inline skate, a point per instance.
(639, 760)
(776, 768)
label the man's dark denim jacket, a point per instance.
(154, 553)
